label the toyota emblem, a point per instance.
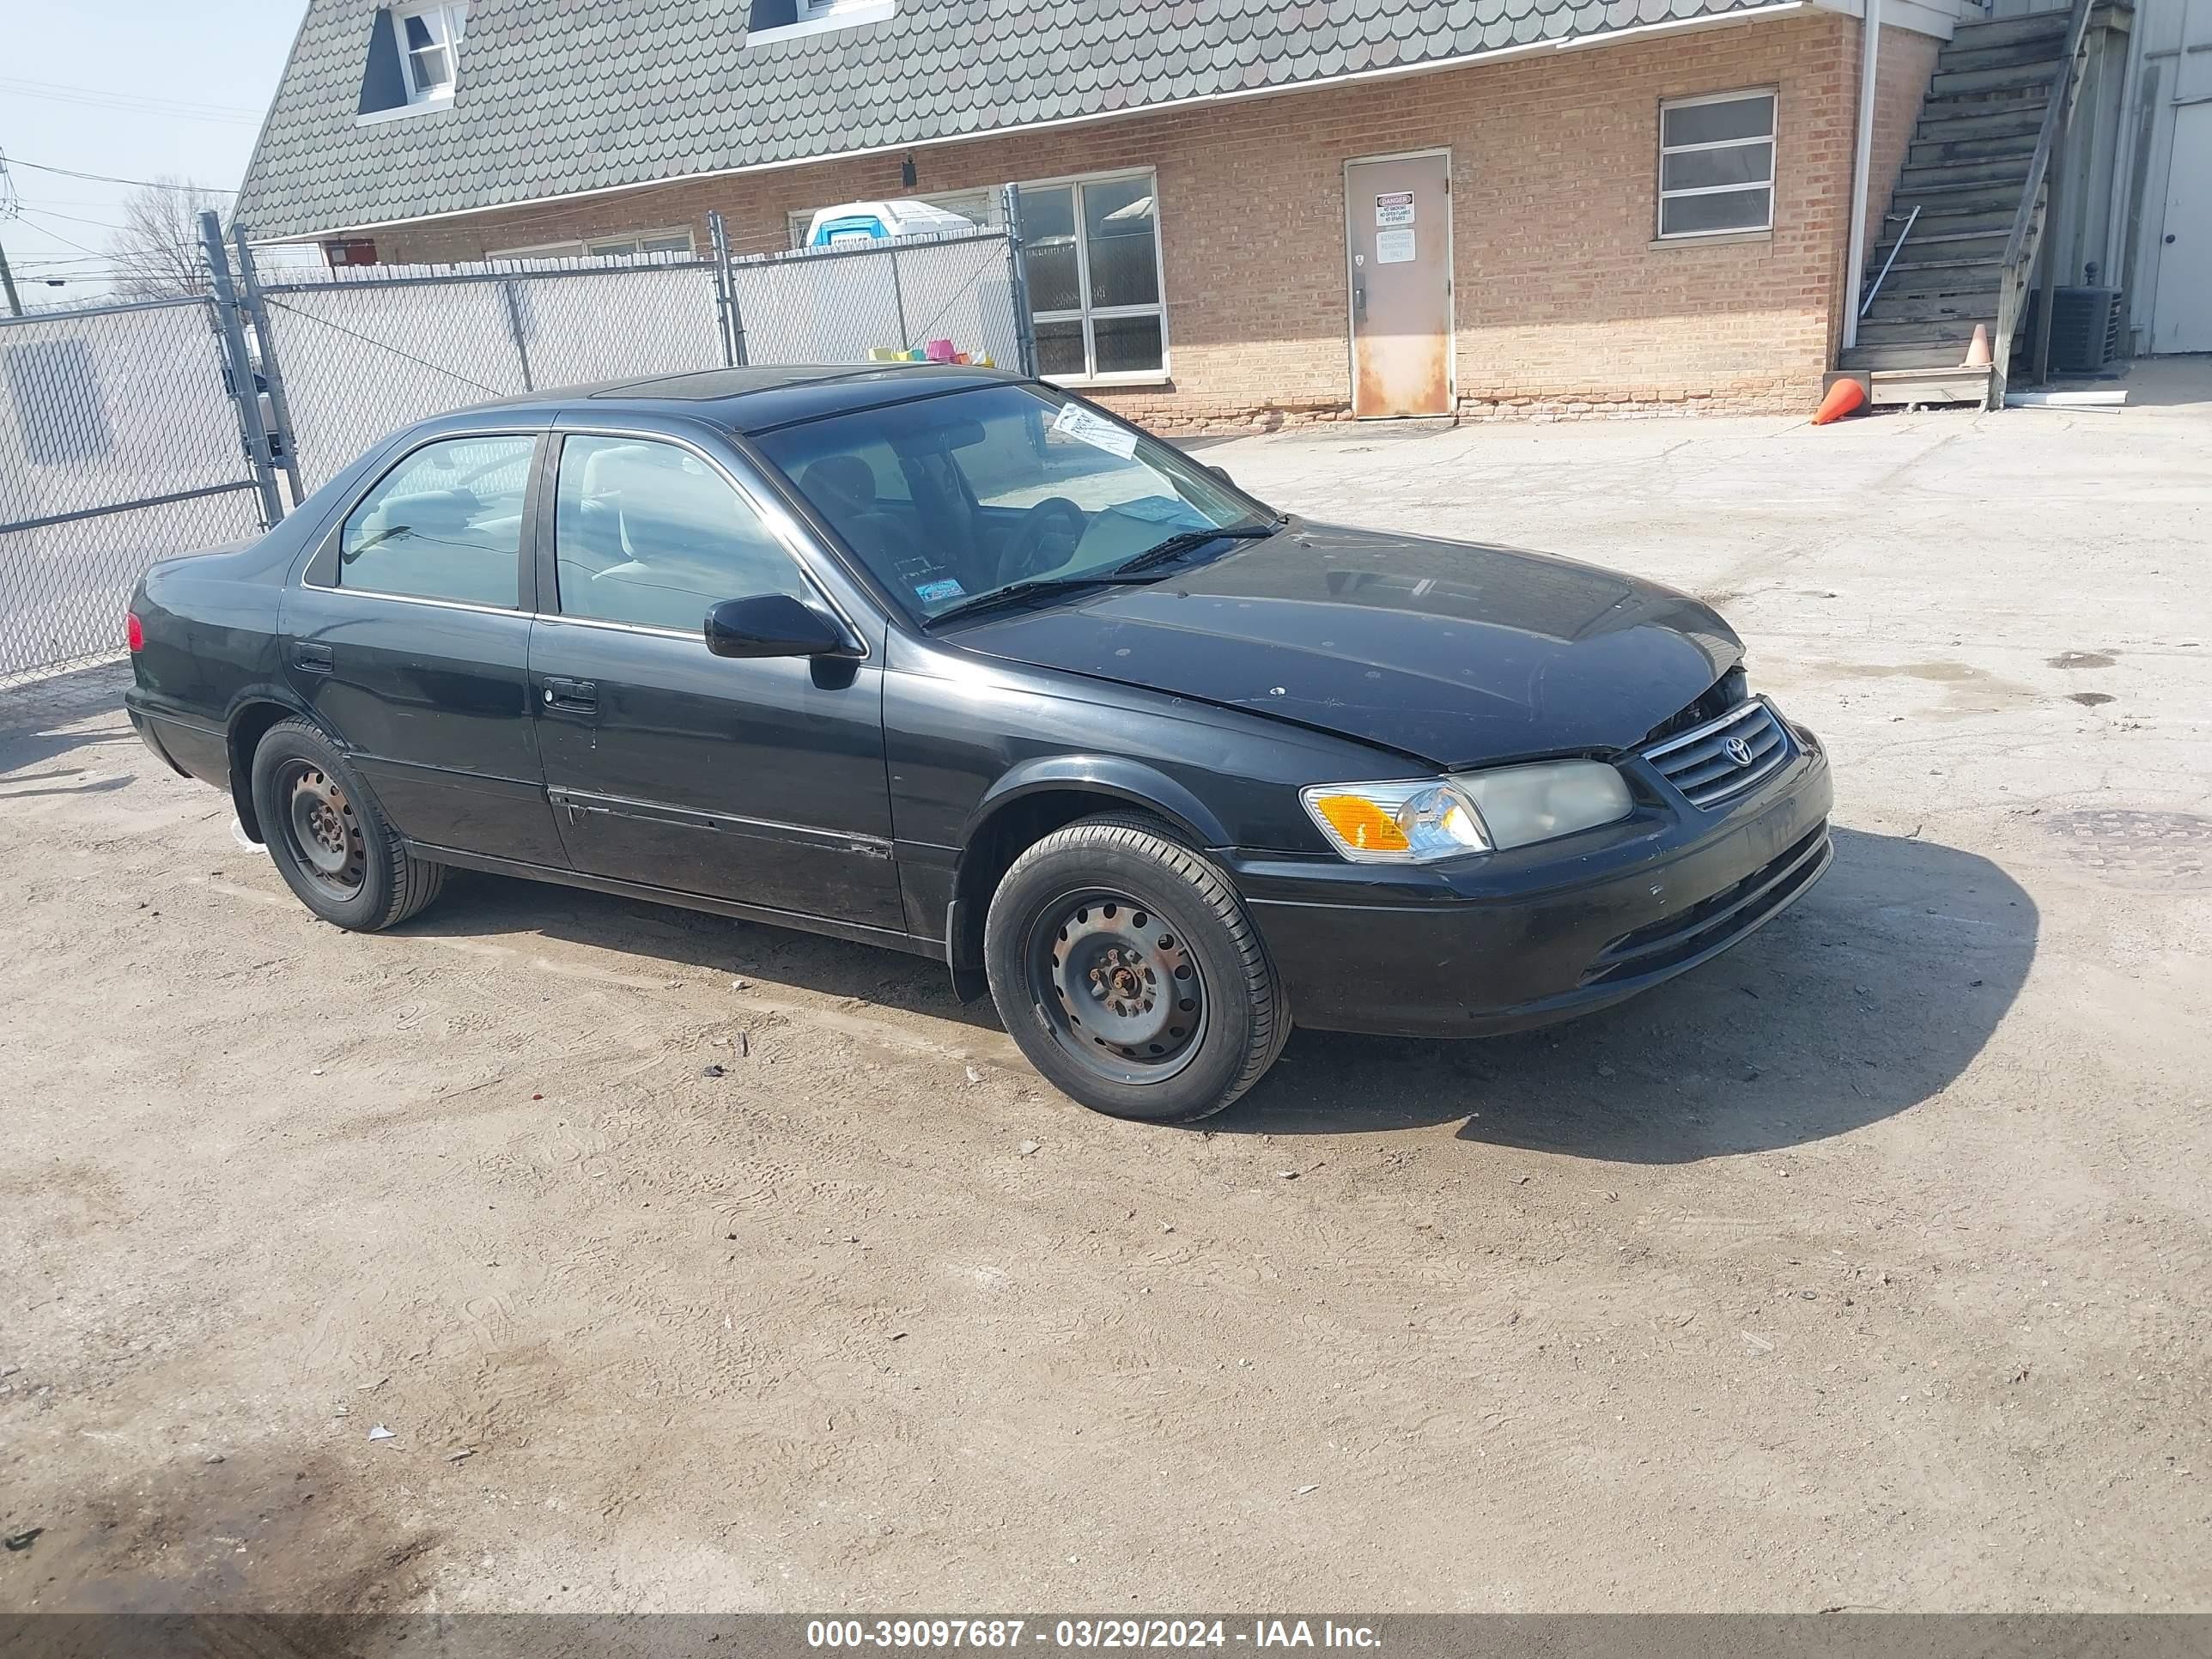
(1738, 750)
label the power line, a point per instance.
(110, 178)
(93, 98)
(66, 242)
(75, 219)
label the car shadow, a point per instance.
(1868, 998)
(44, 721)
(477, 906)
(1865, 999)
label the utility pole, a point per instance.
(8, 281)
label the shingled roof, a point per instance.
(559, 96)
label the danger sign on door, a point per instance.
(1394, 208)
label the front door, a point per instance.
(1398, 230)
(756, 780)
(2181, 320)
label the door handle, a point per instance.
(581, 697)
(310, 659)
(1359, 303)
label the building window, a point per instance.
(631, 246)
(1717, 164)
(429, 37)
(1092, 247)
(772, 19)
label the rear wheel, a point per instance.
(1123, 964)
(327, 836)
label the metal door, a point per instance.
(2181, 318)
(1398, 233)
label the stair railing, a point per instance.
(2031, 219)
(1895, 248)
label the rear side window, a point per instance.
(444, 524)
(649, 534)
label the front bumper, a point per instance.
(1508, 940)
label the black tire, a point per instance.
(1185, 914)
(328, 837)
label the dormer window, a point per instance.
(777, 20)
(429, 37)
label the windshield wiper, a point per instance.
(1023, 590)
(1186, 540)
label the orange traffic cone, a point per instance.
(1843, 396)
(1978, 348)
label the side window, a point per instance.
(444, 524)
(648, 533)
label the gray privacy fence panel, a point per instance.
(367, 351)
(959, 291)
(362, 358)
(118, 445)
(836, 304)
(108, 405)
(64, 587)
(610, 325)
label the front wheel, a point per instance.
(1123, 964)
(327, 836)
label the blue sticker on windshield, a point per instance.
(930, 592)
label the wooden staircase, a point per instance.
(1963, 229)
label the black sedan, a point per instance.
(941, 660)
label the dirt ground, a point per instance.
(1867, 1266)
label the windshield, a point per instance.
(950, 498)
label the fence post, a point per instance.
(898, 301)
(514, 330)
(242, 390)
(726, 293)
(1018, 278)
(257, 307)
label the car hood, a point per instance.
(1457, 654)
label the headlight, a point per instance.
(1524, 804)
(1419, 822)
(1396, 823)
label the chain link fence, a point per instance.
(123, 440)
(369, 350)
(120, 443)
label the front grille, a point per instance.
(1721, 759)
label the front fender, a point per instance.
(1115, 779)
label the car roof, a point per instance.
(752, 400)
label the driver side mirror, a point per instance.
(774, 625)
(1222, 473)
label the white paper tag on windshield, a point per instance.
(1080, 424)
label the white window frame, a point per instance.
(818, 17)
(1089, 315)
(454, 16)
(1661, 194)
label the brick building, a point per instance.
(1233, 211)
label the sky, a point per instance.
(134, 88)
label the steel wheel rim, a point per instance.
(323, 831)
(1119, 987)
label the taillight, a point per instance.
(134, 632)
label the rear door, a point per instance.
(408, 634)
(760, 781)
(1398, 233)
